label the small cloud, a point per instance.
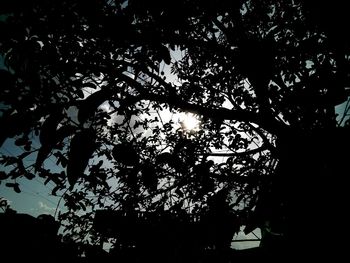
(46, 207)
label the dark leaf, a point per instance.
(164, 54)
(10, 160)
(48, 129)
(80, 93)
(57, 178)
(57, 137)
(88, 106)
(81, 149)
(164, 158)
(27, 147)
(55, 189)
(149, 177)
(29, 176)
(15, 187)
(21, 141)
(179, 192)
(43, 153)
(82, 205)
(3, 175)
(125, 154)
(63, 132)
(24, 155)
(13, 124)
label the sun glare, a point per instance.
(190, 122)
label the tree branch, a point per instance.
(249, 152)
(246, 240)
(220, 113)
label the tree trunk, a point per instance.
(311, 187)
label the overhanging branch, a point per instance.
(218, 113)
(244, 153)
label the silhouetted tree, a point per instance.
(92, 80)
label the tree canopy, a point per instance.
(98, 86)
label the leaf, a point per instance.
(80, 93)
(179, 193)
(63, 132)
(164, 54)
(47, 136)
(164, 158)
(82, 205)
(170, 159)
(61, 159)
(23, 155)
(10, 160)
(81, 149)
(55, 189)
(21, 141)
(13, 124)
(15, 187)
(125, 154)
(3, 175)
(149, 177)
(57, 137)
(88, 106)
(43, 153)
(49, 127)
(29, 176)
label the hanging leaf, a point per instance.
(43, 153)
(164, 54)
(15, 187)
(88, 106)
(82, 205)
(57, 137)
(55, 189)
(48, 137)
(81, 149)
(80, 93)
(125, 154)
(149, 176)
(63, 132)
(49, 127)
(61, 159)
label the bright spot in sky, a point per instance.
(190, 122)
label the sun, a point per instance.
(190, 122)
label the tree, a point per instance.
(262, 77)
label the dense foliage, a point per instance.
(98, 86)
